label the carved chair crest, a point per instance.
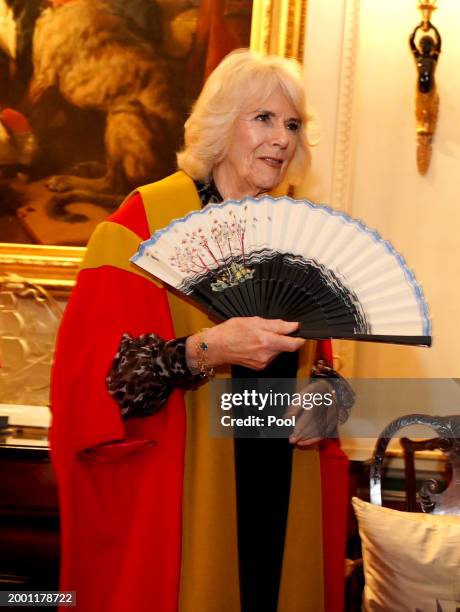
(448, 441)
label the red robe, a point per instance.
(121, 483)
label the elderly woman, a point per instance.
(243, 529)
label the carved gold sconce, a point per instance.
(425, 44)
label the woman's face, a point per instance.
(261, 148)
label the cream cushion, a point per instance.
(411, 560)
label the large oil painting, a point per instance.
(93, 97)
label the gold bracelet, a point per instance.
(201, 350)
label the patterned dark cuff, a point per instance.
(145, 371)
(343, 392)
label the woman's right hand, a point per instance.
(252, 342)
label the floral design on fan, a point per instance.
(218, 251)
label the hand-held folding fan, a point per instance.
(293, 260)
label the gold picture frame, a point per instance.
(277, 27)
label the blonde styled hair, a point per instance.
(241, 77)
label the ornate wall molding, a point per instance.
(343, 163)
(342, 167)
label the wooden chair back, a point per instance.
(448, 441)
